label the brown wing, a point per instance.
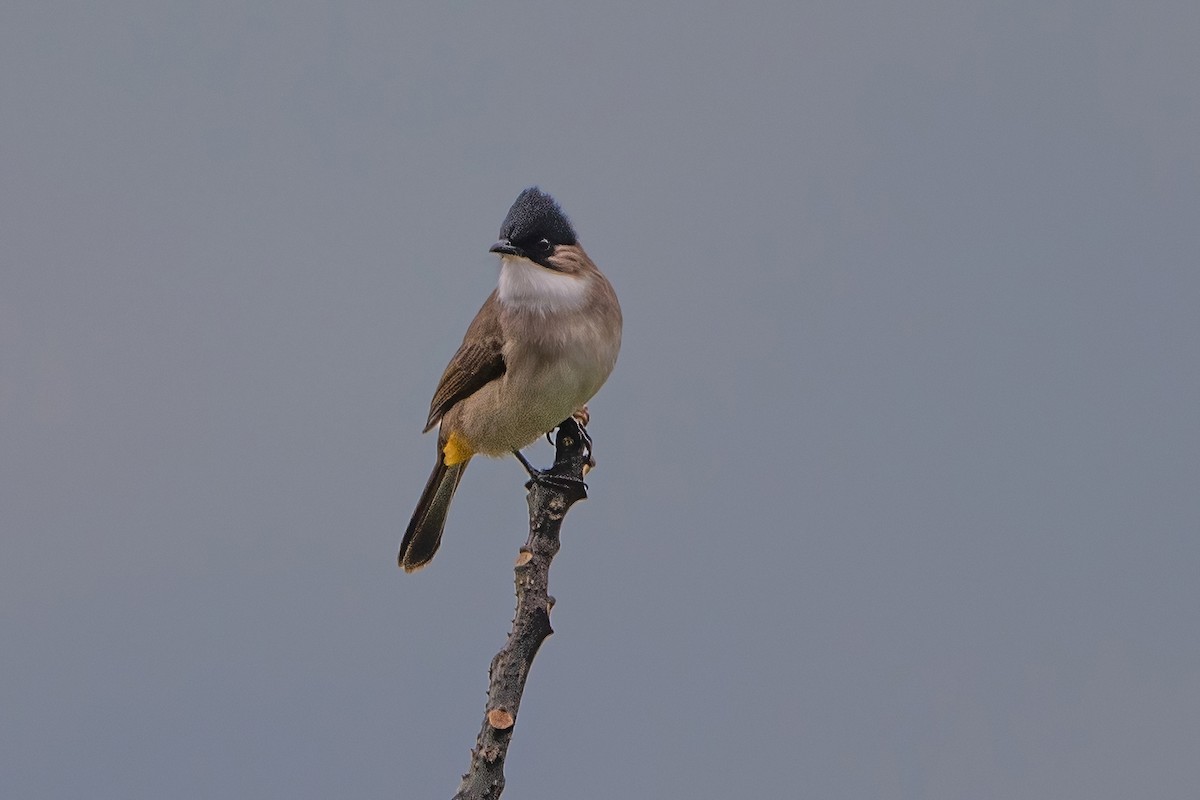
(479, 360)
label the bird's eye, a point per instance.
(544, 245)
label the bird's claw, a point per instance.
(547, 478)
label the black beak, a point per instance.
(505, 247)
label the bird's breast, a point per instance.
(558, 359)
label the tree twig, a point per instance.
(549, 502)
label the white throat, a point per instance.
(527, 286)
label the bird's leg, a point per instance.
(533, 471)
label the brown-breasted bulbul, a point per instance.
(541, 346)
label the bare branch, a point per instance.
(549, 501)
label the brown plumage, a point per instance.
(541, 346)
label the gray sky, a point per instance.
(897, 487)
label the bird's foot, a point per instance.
(581, 416)
(547, 478)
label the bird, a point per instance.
(541, 346)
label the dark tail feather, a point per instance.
(424, 532)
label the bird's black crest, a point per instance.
(535, 215)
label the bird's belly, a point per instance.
(538, 391)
